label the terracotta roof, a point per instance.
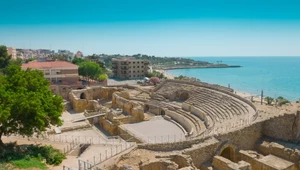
(51, 64)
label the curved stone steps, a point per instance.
(193, 118)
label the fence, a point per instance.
(92, 162)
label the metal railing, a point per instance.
(92, 162)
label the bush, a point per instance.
(269, 100)
(281, 101)
(51, 155)
(102, 77)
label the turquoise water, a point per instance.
(276, 76)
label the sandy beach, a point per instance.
(166, 74)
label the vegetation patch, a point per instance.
(29, 162)
(30, 156)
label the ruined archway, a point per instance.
(162, 112)
(228, 153)
(146, 108)
(82, 96)
(184, 96)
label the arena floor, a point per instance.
(156, 130)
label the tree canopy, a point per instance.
(77, 60)
(27, 105)
(90, 70)
(102, 77)
(4, 57)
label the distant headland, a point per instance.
(167, 63)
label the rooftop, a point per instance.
(125, 59)
(51, 64)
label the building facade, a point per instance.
(57, 72)
(13, 52)
(130, 68)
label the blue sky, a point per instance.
(156, 27)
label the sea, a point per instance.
(275, 76)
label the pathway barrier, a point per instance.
(92, 162)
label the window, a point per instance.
(134, 71)
(138, 71)
(138, 66)
(142, 70)
(142, 62)
(133, 62)
(138, 62)
(142, 66)
(133, 66)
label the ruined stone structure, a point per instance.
(222, 130)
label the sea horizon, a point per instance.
(275, 75)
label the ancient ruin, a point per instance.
(192, 125)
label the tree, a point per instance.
(77, 60)
(269, 100)
(102, 77)
(4, 57)
(90, 70)
(17, 61)
(27, 105)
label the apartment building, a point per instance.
(13, 52)
(130, 68)
(57, 72)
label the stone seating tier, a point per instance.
(192, 118)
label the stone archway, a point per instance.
(184, 96)
(146, 108)
(82, 96)
(228, 153)
(162, 112)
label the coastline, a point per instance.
(166, 74)
(191, 67)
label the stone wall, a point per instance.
(63, 90)
(83, 99)
(285, 127)
(222, 163)
(202, 152)
(243, 138)
(108, 126)
(134, 109)
(281, 151)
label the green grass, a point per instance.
(29, 163)
(29, 156)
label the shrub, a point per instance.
(281, 101)
(102, 77)
(51, 155)
(269, 100)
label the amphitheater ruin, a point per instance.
(181, 125)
